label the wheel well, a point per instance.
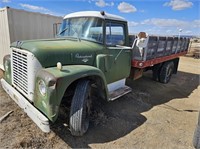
(157, 68)
(175, 61)
(99, 94)
(97, 86)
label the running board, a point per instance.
(119, 92)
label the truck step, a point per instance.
(119, 92)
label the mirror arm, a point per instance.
(133, 45)
(118, 54)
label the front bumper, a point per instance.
(41, 121)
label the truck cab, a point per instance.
(107, 31)
(89, 53)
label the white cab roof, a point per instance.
(94, 14)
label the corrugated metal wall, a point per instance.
(4, 35)
(18, 25)
(29, 25)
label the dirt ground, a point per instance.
(152, 116)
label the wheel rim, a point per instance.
(169, 73)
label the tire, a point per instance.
(166, 72)
(156, 71)
(80, 108)
(196, 138)
(155, 75)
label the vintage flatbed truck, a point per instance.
(93, 54)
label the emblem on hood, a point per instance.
(85, 58)
(19, 43)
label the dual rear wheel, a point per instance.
(163, 73)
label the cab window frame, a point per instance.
(119, 24)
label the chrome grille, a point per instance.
(20, 73)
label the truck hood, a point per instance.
(66, 51)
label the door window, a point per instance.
(114, 34)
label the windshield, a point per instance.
(82, 28)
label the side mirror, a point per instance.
(142, 40)
(56, 27)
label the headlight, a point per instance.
(42, 87)
(6, 65)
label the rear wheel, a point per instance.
(166, 72)
(156, 72)
(80, 108)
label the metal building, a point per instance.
(18, 25)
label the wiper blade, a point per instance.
(75, 31)
(63, 31)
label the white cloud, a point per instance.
(165, 22)
(32, 7)
(159, 26)
(188, 32)
(168, 31)
(90, 1)
(142, 11)
(126, 7)
(39, 9)
(102, 3)
(132, 23)
(172, 23)
(179, 4)
(196, 23)
(112, 4)
(6, 1)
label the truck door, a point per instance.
(119, 59)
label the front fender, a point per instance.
(57, 81)
(7, 68)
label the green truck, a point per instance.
(92, 55)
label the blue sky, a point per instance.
(162, 17)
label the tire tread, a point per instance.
(76, 111)
(164, 70)
(196, 138)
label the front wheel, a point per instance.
(196, 137)
(80, 108)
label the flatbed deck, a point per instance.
(159, 49)
(151, 62)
